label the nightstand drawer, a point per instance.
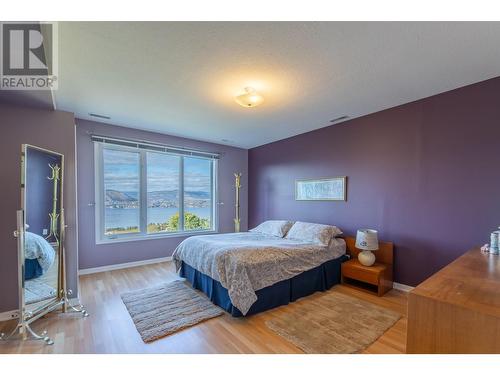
(360, 274)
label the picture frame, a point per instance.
(321, 189)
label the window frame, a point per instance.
(102, 238)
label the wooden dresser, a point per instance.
(457, 310)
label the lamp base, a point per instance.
(366, 258)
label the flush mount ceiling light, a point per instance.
(250, 98)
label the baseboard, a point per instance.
(402, 287)
(111, 267)
(75, 301)
(8, 315)
(14, 314)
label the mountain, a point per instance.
(118, 196)
(197, 194)
(163, 195)
(174, 194)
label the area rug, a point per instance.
(37, 291)
(167, 308)
(333, 323)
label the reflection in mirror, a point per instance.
(42, 205)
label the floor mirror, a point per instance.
(40, 237)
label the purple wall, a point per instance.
(425, 174)
(52, 130)
(92, 255)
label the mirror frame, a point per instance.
(52, 303)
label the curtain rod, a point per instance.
(141, 144)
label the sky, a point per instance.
(121, 171)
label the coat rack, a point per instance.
(54, 216)
(237, 186)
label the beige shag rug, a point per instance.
(334, 323)
(164, 309)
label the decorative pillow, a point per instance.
(274, 227)
(316, 233)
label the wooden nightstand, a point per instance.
(377, 278)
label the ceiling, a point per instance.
(181, 78)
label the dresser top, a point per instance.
(471, 281)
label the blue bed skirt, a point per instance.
(317, 279)
(32, 269)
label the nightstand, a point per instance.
(376, 279)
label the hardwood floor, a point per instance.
(109, 328)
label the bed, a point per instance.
(39, 255)
(250, 272)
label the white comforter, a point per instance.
(246, 262)
(36, 247)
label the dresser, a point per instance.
(457, 310)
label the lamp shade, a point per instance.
(250, 98)
(367, 239)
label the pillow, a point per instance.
(316, 233)
(273, 227)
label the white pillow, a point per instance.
(273, 227)
(316, 233)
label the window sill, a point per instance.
(142, 237)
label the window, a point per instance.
(197, 176)
(142, 192)
(122, 191)
(163, 192)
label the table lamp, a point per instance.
(367, 241)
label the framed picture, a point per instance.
(323, 189)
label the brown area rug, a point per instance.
(164, 309)
(334, 323)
